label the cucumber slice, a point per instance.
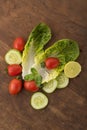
(72, 69)
(50, 86)
(13, 56)
(63, 81)
(39, 100)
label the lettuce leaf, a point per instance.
(65, 47)
(65, 50)
(39, 36)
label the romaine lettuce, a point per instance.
(40, 35)
(65, 47)
(34, 54)
(66, 50)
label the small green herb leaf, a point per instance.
(38, 80)
(34, 76)
(29, 77)
(34, 71)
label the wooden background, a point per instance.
(67, 109)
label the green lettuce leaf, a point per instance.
(66, 47)
(40, 35)
(65, 50)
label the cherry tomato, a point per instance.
(51, 62)
(31, 86)
(14, 69)
(15, 86)
(19, 43)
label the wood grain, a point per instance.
(67, 109)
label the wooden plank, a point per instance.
(67, 109)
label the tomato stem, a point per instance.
(19, 77)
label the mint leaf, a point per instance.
(29, 77)
(34, 76)
(34, 71)
(38, 80)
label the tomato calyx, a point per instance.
(19, 77)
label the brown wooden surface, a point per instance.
(67, 109)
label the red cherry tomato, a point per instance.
(31, 86)
(15, 86)
(51, 62)
(14, 69)
(19, 43)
